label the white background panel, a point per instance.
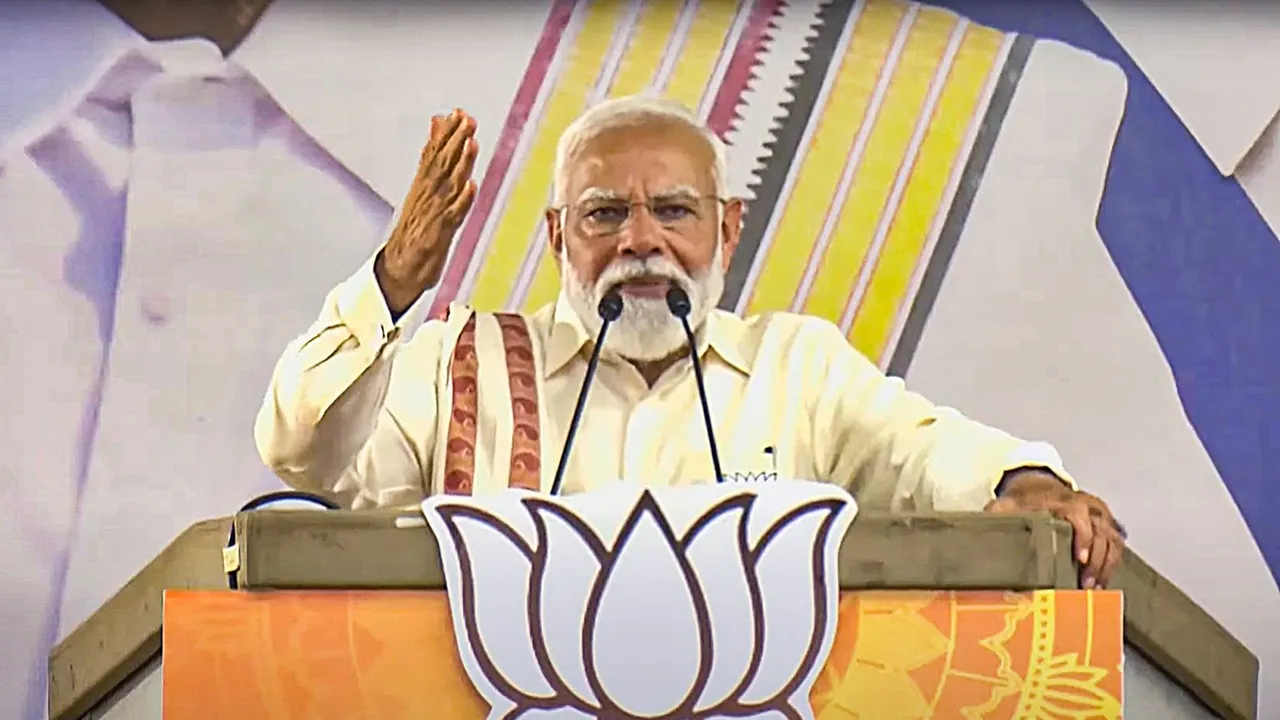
(1215, 66)
(365, 78)
(50, 49)
(1259, 175)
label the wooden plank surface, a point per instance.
(124, 634)
(960, 551)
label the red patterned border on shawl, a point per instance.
(526, 442)
(460, 450)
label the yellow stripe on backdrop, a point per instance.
(838, 120)
(691, 73)
(695, 68)
(522, 212)
(655, 30)
(918, 214)
(886, 150)
(886, 71)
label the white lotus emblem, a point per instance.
(702, 602)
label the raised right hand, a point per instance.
(439, 198)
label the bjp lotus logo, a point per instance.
(703, 602)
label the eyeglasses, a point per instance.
(606, 217)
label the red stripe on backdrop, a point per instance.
(724, 110)
(500, 164)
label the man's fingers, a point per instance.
(442, 128)
(449, 124)
(1115, 554)
(1077, 514)
(1098, 542)
(430, 151)
(461, 204)
(1110, 535)
(438, 169)
(439, 197)
(447, 164)
(466, 164)
(1003, 505)
(1108, 546)
(457, 141)
(1092, 573)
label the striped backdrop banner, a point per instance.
(876, 152)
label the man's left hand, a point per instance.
(1099, 539)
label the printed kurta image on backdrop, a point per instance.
(1042, 655)
(860, 132)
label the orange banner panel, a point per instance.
(386, 655)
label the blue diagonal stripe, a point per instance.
(1202, 264)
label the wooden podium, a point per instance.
(944, 616)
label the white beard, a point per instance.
(646, 330)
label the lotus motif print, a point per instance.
(683, 603)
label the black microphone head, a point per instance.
(678, 301)
(610, 307)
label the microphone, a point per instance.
(609, 309)
(680, 306)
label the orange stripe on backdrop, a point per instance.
(874, 315)
(521, 214)
(696, 43)
(391, 656)
(837, 121)
(887, 149)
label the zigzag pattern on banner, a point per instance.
(769, 140)
(767, 98)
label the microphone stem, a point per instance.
(578, 409)
(702, 397)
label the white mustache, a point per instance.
(621, 271)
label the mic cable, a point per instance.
(680, 306)
(609, 309)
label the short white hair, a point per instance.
(632, 111)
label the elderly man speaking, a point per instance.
(642, 230)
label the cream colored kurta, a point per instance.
(356, 410)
